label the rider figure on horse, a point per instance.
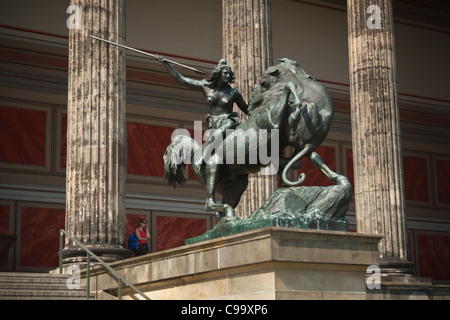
(220, 98)
(219, 95)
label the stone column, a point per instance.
(247, 46)
(377, 148)
(96, 132)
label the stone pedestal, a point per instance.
(268, 263)
(96, 133)
(247, 46)
(376, 139)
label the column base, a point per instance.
(391, 266)
(108, 253)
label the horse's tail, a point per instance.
(307, 149)
(178, 153)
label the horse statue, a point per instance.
(287, 108)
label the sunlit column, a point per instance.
(96, 132)
(247, 46)
(376, 138)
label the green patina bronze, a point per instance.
(300, 108)
(319, 208)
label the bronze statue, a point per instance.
(287, 100)
(287, 108)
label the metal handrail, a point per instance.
(120, 279)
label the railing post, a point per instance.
(88, 275)
(119, 293)
(60, 251)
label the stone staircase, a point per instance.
(37, 286)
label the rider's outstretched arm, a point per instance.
(190, 83)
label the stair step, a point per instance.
(46, 293)
(34, 286)
(31, 274)
(29, 286)
(11, 277)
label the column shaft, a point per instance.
(96, 131)
(247, 46)
(377, 148)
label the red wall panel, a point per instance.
(39, 236)
(146, 146)
(4, 219)
(443, 180)
(23, 135)
(4, 226)
(172, 231)
(416, 178)
(434, 256)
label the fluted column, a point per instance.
(96, 133)
(377, 148)
(247, 46)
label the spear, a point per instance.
(148, 54)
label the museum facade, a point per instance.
(34, 86)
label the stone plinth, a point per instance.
(268, 263)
